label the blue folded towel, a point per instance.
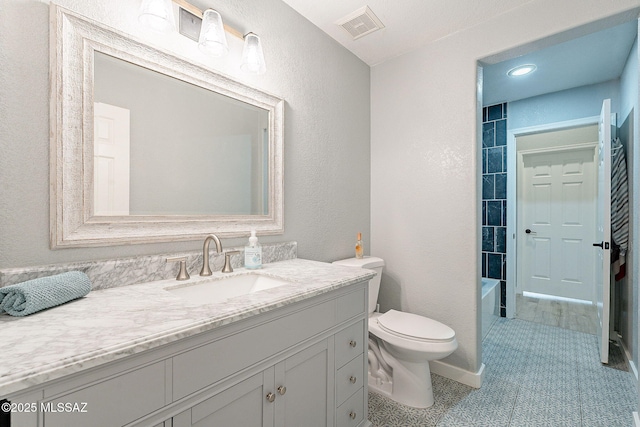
(34, 295)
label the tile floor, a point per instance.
(535, 375)
(580, 317)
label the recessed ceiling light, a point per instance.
(521, 70)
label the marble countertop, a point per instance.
(110, 324)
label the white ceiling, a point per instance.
(410, 24)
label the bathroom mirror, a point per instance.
(148, 147)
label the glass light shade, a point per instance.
(157, 15)
(212, 40)
(252, 56)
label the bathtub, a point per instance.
(490, 304)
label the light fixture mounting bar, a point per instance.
(197, 12)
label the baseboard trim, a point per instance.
(472, 379)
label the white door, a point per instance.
(557, 216)
(603, 230)
(110, 160)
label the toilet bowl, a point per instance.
(401, 346)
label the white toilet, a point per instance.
(401, 346)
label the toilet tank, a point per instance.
(370, 263)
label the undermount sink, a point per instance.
(217, 290)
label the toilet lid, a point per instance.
(415, 326)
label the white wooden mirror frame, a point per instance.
(74, 39)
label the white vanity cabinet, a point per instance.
(299, 365)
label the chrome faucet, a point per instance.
(206, 271)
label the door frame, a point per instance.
(512, 173)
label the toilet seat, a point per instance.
(409, 349)
(415, 327)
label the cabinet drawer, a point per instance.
(349, 379)
(205, 365)
(351, 305)
(351, 412)
(349, 343)
(120, 400)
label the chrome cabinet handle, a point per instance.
(352, 343)
(282, 390)
(271, 397)
(352, 415)
(353, 379)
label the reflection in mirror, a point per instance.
(149, 147)
(163, 146)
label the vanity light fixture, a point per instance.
(207, 29)
(252, 56)
(157, 15)
(212, 38)
(521, 70)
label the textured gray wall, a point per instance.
(327, 154)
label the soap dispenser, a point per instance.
(253, 253)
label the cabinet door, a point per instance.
(302, 387)
(243, 404)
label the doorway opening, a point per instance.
(553, 224)
(545, 104)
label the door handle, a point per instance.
(603, 245)
(528, 231)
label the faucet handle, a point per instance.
(183, 274)
(227, 261)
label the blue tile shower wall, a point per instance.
(494, 196)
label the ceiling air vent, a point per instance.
(360, 23)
